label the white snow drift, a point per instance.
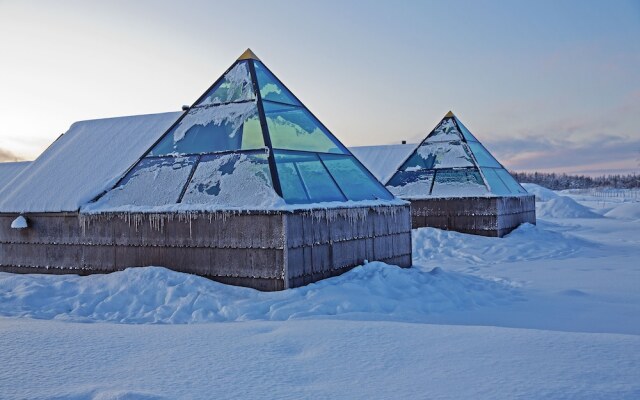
(158, 295)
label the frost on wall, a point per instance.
(236, 86)
(153, 182)
(233, 180)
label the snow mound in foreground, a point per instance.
(527, 242)
(625, 211)
(564, 207)
(541, 192)
(376, 291)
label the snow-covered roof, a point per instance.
(383, 160)
(83, 163)
(9, 170)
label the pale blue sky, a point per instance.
(547, 85)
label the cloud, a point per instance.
(6, 155)
(604, 152)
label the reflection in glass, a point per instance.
(510, 182)
(352, 178)
(304, 179)
(496, 184)
(294, 128)
(213, 129)
(271, 88)
(482, 156)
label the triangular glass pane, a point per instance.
(233, 87)
(444, 132)
(294, 128)
(227, 127)
(484, 158)
(465, 132)
(271, 88)
(354, 181)
(233, 180)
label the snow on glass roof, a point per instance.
(451, 162)
(246, 143)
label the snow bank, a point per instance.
(376, 291)
(564, 207)
(541, 192)
(625, 211)
(526, 243)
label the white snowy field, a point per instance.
(549, 312)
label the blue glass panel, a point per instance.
(465, 132)
(415, 162)
(304, 179)
(294, 128)
(153, 182)
(356, 183)
(411, 183)
(458, 183)
(402, 178)
(496, 184)
(484, 158)
(234, 86)
(511, 183)
(232, 180)
(271, 88)
(226, 127)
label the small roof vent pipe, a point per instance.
(185, 108)
(404, 142)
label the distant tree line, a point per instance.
(563, 181)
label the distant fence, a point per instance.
(608, 193)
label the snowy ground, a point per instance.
(551, 311)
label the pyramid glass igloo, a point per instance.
(245, 187)
(453, 182)
(247, 143)
(451, 162)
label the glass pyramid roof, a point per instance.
(246, 142)
(451, 162)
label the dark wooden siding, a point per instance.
(487, 216)
(327, 243)
(267, 251)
